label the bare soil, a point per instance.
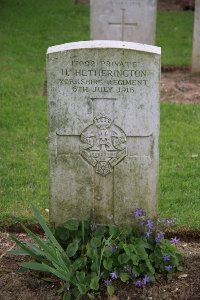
(185, 285)
(176, 4)
(179, 85)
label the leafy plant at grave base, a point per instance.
(84, 255)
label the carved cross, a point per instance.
(123, 24)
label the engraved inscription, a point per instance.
(104, 76)
(104, 144)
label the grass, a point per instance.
(174, 35)
(27, 28)
(180, 163)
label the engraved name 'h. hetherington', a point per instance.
(105, 73)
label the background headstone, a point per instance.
(196, 39)
(103, 129)
(123, 20)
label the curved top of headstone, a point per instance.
(104, 44)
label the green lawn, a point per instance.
(180, 163)
(174, 34)
(27, 28)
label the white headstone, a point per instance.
(123, 20)
(103, 129)
(196, 39)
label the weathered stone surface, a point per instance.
(103, 129)
(196, 40)
(123, 20)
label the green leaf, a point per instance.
(150, 267)
(91, 252)
(125, 230)
(60, 263)
(140, 249)
(72, 248)
(58, 273)
(35, 266)
(107, 241)
(66, 296)
(123, 258)
(113, 230)
(45, 268)
(42, 244)
(107, 263)
(124, 277)
(62, 233)
(46, 229)
(96, 241)
(134, 259)
(110, 289)
(49, 250)
(30, 250)
(80, 276)
(95, 266)
(79, 263)
(100, 230)
(82, 288)
(72, 224)
(107, 251)
(18, 252)
(83, 231)
(129, 249)
(75, 292)
(94, 283)
(91, 297)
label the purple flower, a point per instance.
(168, 268)
(146, 279)
(148, 233)
(166, 257)
(138, 283)
(143, 281)
(113, 275)
(149, 224)
(160, 235)
(174, 241)
(139, 212)
(107, 281)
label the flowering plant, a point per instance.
(84, 255)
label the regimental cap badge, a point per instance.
(104, 144)
(102, 120)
